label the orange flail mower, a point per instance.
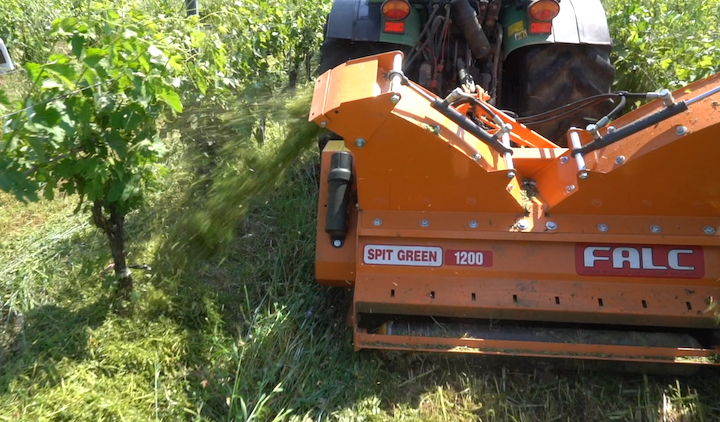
(462, 230)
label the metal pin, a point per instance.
(551, 225)
(424, 223)
(337, 243)
(323, 124)
(570, 188)
(563, 160)
(655, 228)
(506, 143)
(523, 225)
(472, 224)
(377, 222)
(575, 140)
(681, 130)
(709, 230)
(394, 98)
(619, 159)
(359, 142)
(602, 227)
(477, 157)
(583, 175)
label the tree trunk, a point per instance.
(114, 230)
(293, 77)
(308, 66)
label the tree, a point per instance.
(90, 126)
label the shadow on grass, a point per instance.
(34, 341)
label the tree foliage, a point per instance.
(664, 44)
(92, 123)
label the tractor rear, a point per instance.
(566, 230)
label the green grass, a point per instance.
(229, 323)
(244, 332)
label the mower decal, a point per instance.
(414, 256)
(664, 261)
(468, 258)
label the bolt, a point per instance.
(394, 98)
(655, 228)
(570, 188)
(551, 225)
(619, 159)
(424, 223)
(611, 129)
(337, 243)
(323, 124)
(477, 157)
(511, 174)
(681, 130)
(563, 160)
(583, 175)
(602, 227)
(472, 224)
(359, 142)
(377, 222)
(523, 225)
(709, 230)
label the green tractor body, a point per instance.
(526, 66)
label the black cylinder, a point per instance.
(465, 17)
(339, 180)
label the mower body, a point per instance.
(486, 237)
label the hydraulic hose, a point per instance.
(464, 15)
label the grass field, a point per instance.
(232, 326)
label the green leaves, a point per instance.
(663, 44)
(92, 121)
(172, 99)
(93, 56)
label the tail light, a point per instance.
(543, 10)
(396, 9)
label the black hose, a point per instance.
(633, 128)
(465, 17)
(570, 108)
(476, 102)
(470, 126)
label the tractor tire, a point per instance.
(336, 51)
(540, 78)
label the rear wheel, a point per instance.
(540, 78)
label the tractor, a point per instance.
(529, 56)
